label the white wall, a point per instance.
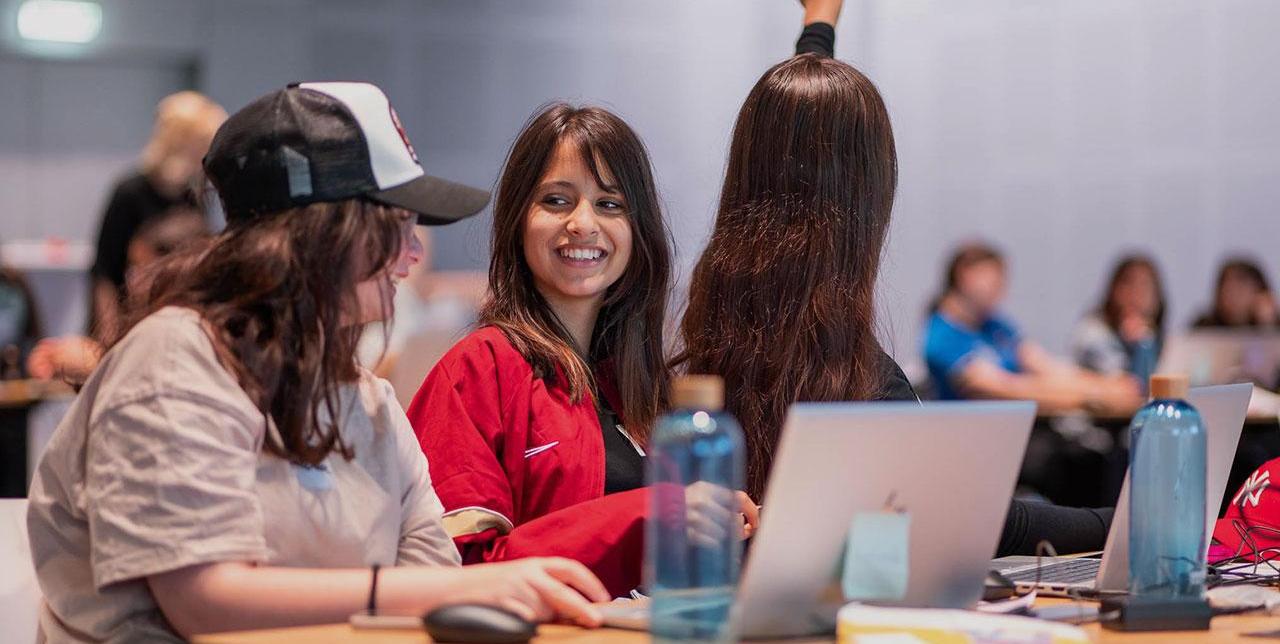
(1070, 131)
(1063, 130)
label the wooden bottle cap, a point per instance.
(704, 392)
(1169, 386)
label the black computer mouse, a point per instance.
(477, 624)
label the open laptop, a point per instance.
(1223, 410)
(1215, 357)
(950, 466)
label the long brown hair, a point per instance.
(781, 303)
(628, 332)
(1250, 270)
(1109, 309)
(276, 294)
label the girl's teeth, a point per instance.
(580, 253)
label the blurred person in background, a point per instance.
(19, 322)
(73, 358)
(1242, 299)
(1125, 333)
(168, 176)
(973, 351)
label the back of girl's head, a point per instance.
(278, 293)
(814, 131)
(781, 303)
(629, 327)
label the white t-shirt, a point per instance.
(159, 465)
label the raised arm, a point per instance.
(819, 35)
(827, 11)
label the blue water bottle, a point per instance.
(1167, 511)
(1142, 364)
(693, 543)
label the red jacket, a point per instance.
(520, 468)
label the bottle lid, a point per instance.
(1169, 386)
(698, 392)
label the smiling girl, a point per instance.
(534, 424)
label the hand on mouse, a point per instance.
(539, 589)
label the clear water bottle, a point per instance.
(693, 537)
(1166, 496)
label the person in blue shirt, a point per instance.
(973, 352)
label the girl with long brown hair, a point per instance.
(535, 424)
(781, 302)
(228, 465)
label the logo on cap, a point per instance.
(1252, 489)
(395, 120)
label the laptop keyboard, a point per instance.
(1060, 571)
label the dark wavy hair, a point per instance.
(277, 293)
(629, 330)
(781, 303)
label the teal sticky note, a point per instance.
(876, 565)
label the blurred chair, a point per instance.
(19, 591)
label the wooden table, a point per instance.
(1228, 628)
(24, 393)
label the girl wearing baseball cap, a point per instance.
(228, 465)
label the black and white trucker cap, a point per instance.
(314, 142)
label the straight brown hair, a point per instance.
(276, 293)
(781, 303)
(1110, 310)
(628, 332)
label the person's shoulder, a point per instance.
(1206, 320)
(167, 328)
(894, 384)
(1000, 323)
(938, 323)
(132, 184)
(169, 351)
(486, 339)
(940, 332)
(488, 348)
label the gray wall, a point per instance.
(1070, 131)
(1063, 130)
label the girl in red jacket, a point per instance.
(535, 424)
